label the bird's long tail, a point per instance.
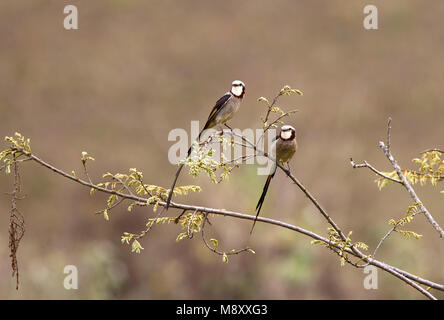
(262, 198)
(170, 195)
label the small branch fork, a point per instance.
(365, 164)
(410, 190)
(354, 251)
(385, 147)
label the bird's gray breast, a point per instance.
(285, 149)
(228, 110)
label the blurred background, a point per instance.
(137, 69)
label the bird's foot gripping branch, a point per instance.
(131, 190)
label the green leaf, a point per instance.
(136, 247)
(105, 214)
(215, 243)
(111, 200)
(361, 245)
(317, 242)
(181, 236)
(263, 99)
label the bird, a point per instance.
(283, 148)
(222, 112)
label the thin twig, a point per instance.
(85, 171)
(275, 99)
(285, 114)
(214, 249)
(403, 275)
(382, 240)
(124, 185)
(313, 200)
(150, 225)
(176, 221)
(367, 165)
(389, 128)
(111, 207)
(431, 150)
(389, 233)
(17, 160)
(190, 234)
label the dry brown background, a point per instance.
(136, 69)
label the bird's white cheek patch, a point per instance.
(237, 91)
(286, 134)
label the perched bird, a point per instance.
(224, 110)
(283, 149)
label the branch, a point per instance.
(310, 234)
(386, 149)
(214, 248)
(409, 278)
(383, 239)
(367, 165)
(270, 106)
(338, 242)
(313, 200)
(431, 150)
(354, 251)
(285, 114)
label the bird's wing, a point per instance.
(219, 104)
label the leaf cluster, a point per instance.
(412, 211)
(203, 161)
(335, 239)
(431, 169)
(19, 146)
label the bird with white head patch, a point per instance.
(282, 149)
(223, 111)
